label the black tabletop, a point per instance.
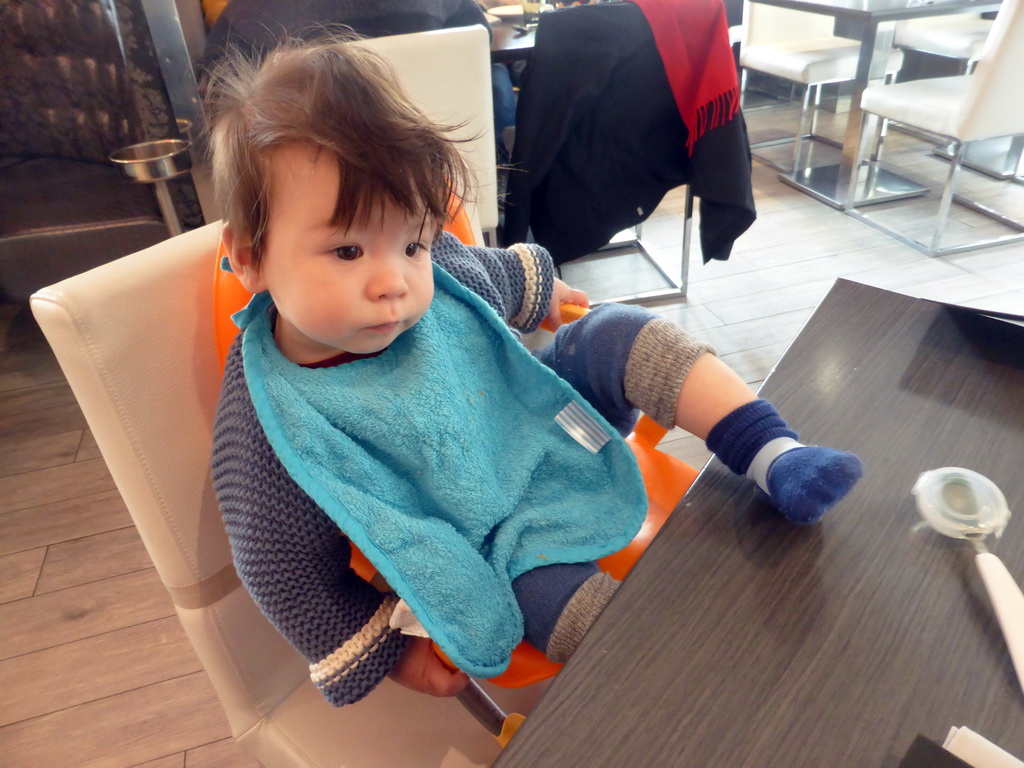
(886, 10)
(511, 41)
(740, 640)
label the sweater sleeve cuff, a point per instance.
(363, 661)
(539, 282)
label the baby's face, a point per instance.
(338, 291)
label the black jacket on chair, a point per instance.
(599, 140)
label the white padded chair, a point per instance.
(954, 36)
(448, 74)
(799, 46)
(135, 340)
(961, 38)
(984, 105)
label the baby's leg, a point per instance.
(624, 355)
(559, 603)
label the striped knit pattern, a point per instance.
(329, 672)
(517, 282)
(535, 302)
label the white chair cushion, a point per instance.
(822, 60)
(954, 37)
(933, 104)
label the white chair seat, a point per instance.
(822, 60)
(934, 103)
(953, 36)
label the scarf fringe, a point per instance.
(716, 113)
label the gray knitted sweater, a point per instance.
(291, 557)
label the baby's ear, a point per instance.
(242, 264)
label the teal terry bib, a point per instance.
(454, 460)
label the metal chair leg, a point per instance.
(502, 725)
(947, 197)
(801, 130)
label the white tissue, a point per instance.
(405, 622)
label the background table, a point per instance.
(740, 640)
(509, 44)
(872, 22)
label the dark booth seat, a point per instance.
(59, 217)
(65, 104)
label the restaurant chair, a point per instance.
(600, 141)
(955, 36)
(799, 47)
(135, 339)
(960, 38)
(983, 105)
(447, 72)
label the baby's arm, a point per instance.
(518, 282)
(296, 567)
(293, 559)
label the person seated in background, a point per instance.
(253, 27)
(379, 395)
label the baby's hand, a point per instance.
(563, 294)
(420, 669)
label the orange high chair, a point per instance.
(666, 480)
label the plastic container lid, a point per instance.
(958, 502)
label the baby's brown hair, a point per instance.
(343, 99)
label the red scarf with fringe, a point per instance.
(693, 39)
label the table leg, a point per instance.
(841, 184)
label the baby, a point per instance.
(379, 396)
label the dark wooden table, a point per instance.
(509, 44)
(742, 641)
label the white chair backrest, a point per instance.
(135, 340)
(770, 25)
(994, 105)
(447, 73)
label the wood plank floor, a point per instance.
(94, 668)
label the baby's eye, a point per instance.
(348, 252)
(413, 248)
